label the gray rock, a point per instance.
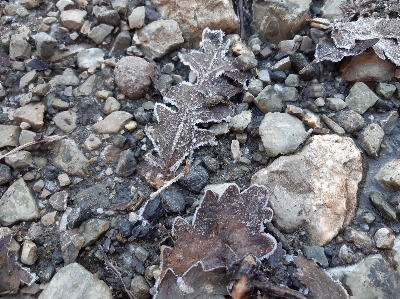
(384, 238)
(59, 200)
(347, 256)
(336, 104)
(139, 287)
(73, 19)
(173, 201)
(255, 87)
(381, 204)
(94, 197)
(99, 33)
(281, 133)
(359, 238)
(19, 160)
(290, 94)
(264, 76)
(316, 91)
(27, 79)
(332, 125)
(332, 10)
(93, 229)
(349, 120)
(136, 18)
(195, 15)
(110, 17)
(19, 47)
(292, 80)
(163, 83)
(158, 38)
(211, 163)
(195, 180)
(17, 204)
(133, 76)
(385, 90)
(92, 142)
(141, 253)
(120, 5)
(122, 42)
(127, 164)
(372, 278)
(66, 121)
(282, 65)
(111, 105)
(64, 285)
(69, 158)
(360, 98)
(371, 138)
(41, 89)
(219, 129)
(113, 123)
(71, 242)
(239, 122)
(5, 174)
(316, 253)
(9, 135)
(46, 45)
(65, 5)
(68, 78)
(84, 89)
(90, 58)
(279, 20)
(389, 175)
(316, 188)
(246, 61)
(269, 100)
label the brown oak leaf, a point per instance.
(224, 229)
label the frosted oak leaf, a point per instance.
(225, 228)
(176, 134)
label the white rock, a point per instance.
(73, 19)
(315, 188)
(389, 175)
(281, 133)
(235, 150)
(136, 18)
(29, 253)
(384, 238)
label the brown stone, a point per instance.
(367, 67)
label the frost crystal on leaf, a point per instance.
(353, 38)
(11, 272)
(176, 134)
(224, 229)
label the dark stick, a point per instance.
(241, 20)
(270, 288)
(281, 238)
(110, 266)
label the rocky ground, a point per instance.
(78, 85)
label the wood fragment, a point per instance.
(276, 290)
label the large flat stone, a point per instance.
(69, 158)
(315, 189)
(75, 282)
(195, 15)
(9, 135)
(113, 123)
(279, 20)
(17, 204)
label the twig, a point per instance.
(241, 18)
(276, 290)
(110, 266)
(272, 229)
(45, 139)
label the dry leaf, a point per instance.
(12, 275)
(319, 284)
(224, 229)
(176, 134)
(195, 283)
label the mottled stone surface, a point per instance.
(18, 204)
(316, 188)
